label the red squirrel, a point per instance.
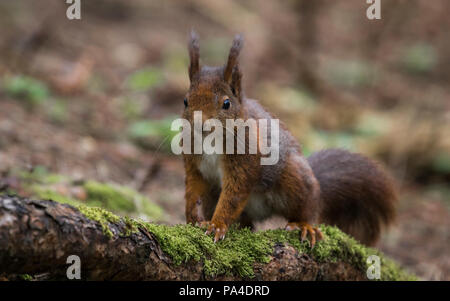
(332, 186)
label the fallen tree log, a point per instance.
(37, 236)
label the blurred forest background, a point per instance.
(86, 105)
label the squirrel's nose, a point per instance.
(204, 116)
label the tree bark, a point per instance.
(36, 237)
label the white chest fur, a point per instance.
(259, 205)
(211, 168)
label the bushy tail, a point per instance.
(356, 195)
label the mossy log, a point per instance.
(37, 236)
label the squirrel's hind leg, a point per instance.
(314, 232)
(301, 191)
(245, 221)
(209, 203)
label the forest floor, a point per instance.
(95, 102)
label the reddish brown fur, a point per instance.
(357, 195)
(335, 186)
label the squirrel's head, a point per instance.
(215, 91)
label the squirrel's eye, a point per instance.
(185, 102)
(226, 104)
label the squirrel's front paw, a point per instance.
(219, 229)
(203, 224)
(194, 219)
(314, 232)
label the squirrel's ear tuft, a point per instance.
(235, 85)
(194, 55)
(233, 58)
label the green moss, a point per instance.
(102, 216)
(342, 247)
(234, 255)
(121, 199)
(25, 277)
(350, 73)
(242, 247)
(105, 195)
(8, 191)
(152, 134)
(131, 226)
(31, 91)
(49, 194)
(40, 175)
(145, 79)
(57, 111)
(420, 58)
